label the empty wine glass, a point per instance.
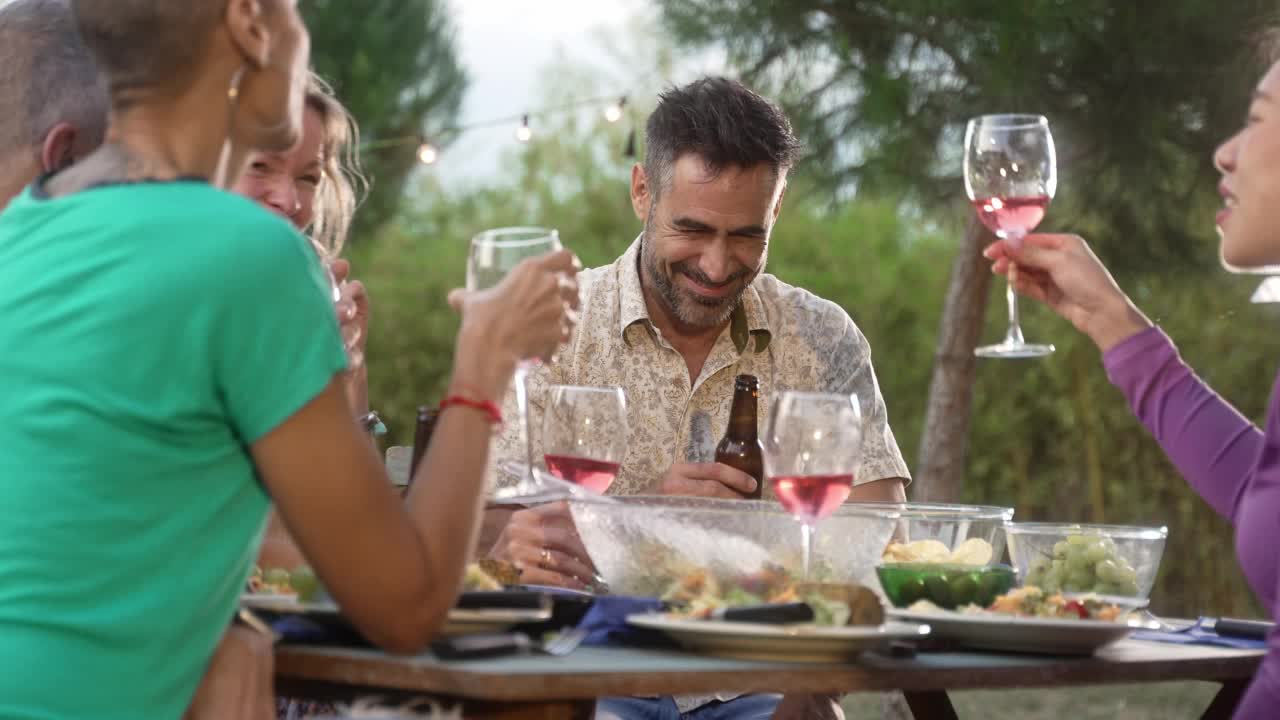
(494, 253)
(812, 448)
(584, 434)
(1010, 175)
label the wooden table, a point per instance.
(546, 687)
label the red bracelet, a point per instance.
(488, 407)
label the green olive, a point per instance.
(964, 589)
(939, 591)
(910, 591)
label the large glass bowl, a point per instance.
(642, 545)
(951, 525)
(1116, 560)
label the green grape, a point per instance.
(1079, 582)
(1060, 549)
(1126, 587)
(1107, 571)
(303, 581)
(1096, 552)
(1076, 564)
(276, 576)
(1079, 540)
(1125, 574)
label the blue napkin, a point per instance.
(606, 622)
(1198, 634)
(302, 630)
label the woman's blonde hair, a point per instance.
(343, 185)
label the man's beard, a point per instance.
(688, 308)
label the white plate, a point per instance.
(796, 643)
(1123, 601)
(460, 622)
(1022, 634)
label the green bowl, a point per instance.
(945, 585)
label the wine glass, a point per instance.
(584, 434)
(350, 334)
(1010, 175)
(494, 253)
(812, 447)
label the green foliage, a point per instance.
(394, 64)
(881, 90)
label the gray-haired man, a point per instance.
(55, 102)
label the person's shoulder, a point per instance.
(791, 303)
(219, 224)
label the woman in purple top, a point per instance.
(1231, 463)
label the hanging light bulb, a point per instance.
(523, 133)
(428, 154)
(613, 113)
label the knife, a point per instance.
(1249, 629)
(778, 614)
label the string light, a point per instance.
(524, 133)
(613, 113)
(428, 154)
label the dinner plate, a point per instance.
(793, 643)
(1049, 636)
(460, 622)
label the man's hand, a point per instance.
(544, 544)
(706, 480)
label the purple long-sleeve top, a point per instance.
(1232, 464)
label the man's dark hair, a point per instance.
(722, 122)
(47, 76)
(147, 43)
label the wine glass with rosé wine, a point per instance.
(584, 434)
(1010, 176)
(812, 448)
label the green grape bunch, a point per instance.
(1084, 563)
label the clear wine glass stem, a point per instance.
(522, 405)
(806, 547)
(1014, 336)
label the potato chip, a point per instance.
(974, 551)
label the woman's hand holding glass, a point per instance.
(526, 316)
(1062, 272)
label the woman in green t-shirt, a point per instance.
(151, 398)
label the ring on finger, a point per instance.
(545, 555)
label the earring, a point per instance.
(222, 177)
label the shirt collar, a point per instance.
(748, 321)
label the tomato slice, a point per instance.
(1078, 608)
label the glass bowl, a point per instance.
(950, 525)
(1116, 560)
(642, 545)
(945, 585)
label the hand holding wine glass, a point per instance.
(584, 434)
(515, 261)
(1062, 272)
(812, 448)
(1010, 176)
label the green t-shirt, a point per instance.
(150, 334)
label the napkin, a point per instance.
(606, 622)
(1198, 634)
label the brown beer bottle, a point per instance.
(741, 446)
(426, 425)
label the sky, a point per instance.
(506, 47)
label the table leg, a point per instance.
(1225, 702)
(930, 705)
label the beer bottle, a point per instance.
(426, 425)
(741, 446)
